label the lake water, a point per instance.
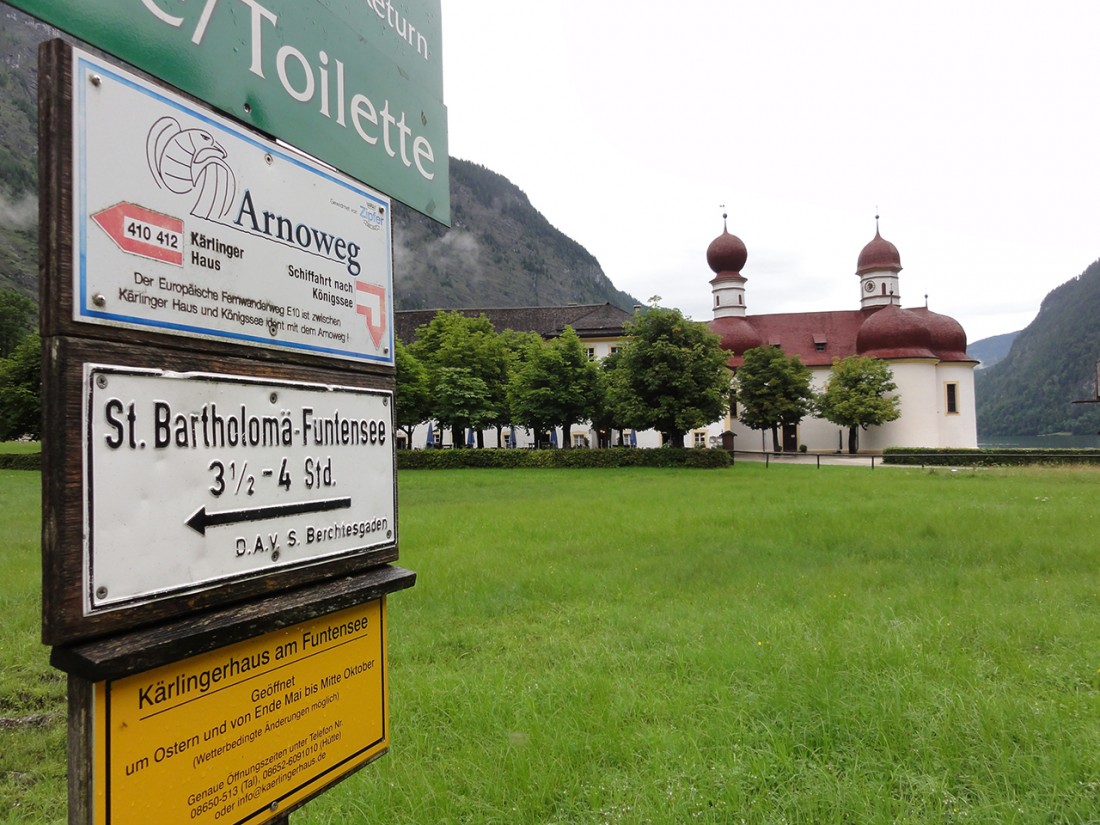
(1042, 442)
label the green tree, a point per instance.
(18, 318)
(556, 386)
(772, 390)
(517, 346)
(460, 400)
(855, 396)
(21, 391)
(670, 375)
(468, 346)
(413, 392)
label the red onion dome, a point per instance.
(726, 255)
(893, 332)
(736, 334)
(878, 255)
(948, 336)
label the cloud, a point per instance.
(21, 213)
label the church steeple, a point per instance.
(878, 267)
(726, 257)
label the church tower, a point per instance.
(726, 257)
(878, 267)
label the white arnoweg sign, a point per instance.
(188, 224)
(195, 479)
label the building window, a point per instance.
(699, 438)
(952, 398)
(615, 349)
(591, 353)
(580, 440)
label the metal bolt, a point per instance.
(274, 555)
(385, 402)
(101, 592)
(101, 381)
(385, 350)
(96, 80)
(389, 534)
(274, 805)
(270, 160)
(248, 108)
(99, 300)
(273, 397)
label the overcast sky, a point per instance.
(971, 127)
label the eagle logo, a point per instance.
(190, 160)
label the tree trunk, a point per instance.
(853, 440)
(458, 437)
(566, 441)
(775, 440)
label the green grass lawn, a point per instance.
(650, 646)
(20, 447)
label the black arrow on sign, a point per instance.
(201, 519)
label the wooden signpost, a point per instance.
(219, 487)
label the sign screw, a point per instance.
(99, 300)
(274, 805)
(274, 555)
(273, 397)
(96, 80)
(270, 160)
(101, 592)
(248, 108)
(101, 381)
(389, 534)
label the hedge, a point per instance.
(558, 459)
(952, 457)
(20, 461)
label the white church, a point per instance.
(926, 352)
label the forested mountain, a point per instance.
(19, 38)
(499, 252)
(991, 350)
(1051, 364)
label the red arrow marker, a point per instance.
(377, 330)
(143, 232)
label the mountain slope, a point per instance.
(1051, 364)
(499, 252)
(993, 349)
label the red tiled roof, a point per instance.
(794, 333)
(801, 333)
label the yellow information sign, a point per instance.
(246, 731)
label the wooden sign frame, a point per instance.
(68, 345)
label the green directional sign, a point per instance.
(356, 83)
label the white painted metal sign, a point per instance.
(188, 224)
(195, 479)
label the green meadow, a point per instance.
(783, 645)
